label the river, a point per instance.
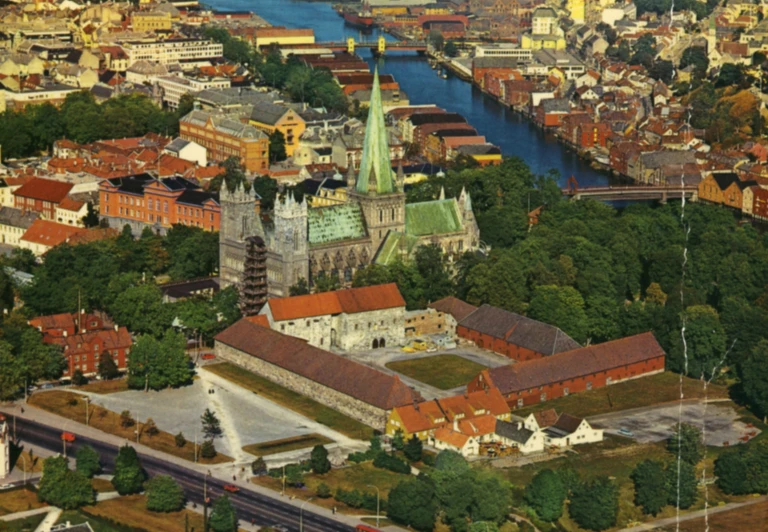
(508, 130)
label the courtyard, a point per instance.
(444, 371)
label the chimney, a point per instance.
(65, 333)
(116, 327)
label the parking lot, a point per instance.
(655, 424)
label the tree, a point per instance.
(301, 288)
(211, 425)
(159, 364)
(696, 56)
(180, 440)
(412, 503)
(705, 342)
(87, 461)
(650, 486)
(277, 146)
(730, 75)
(208, 449)
(594, 505)
(546, 494)
(78, 379)
(562, 306)
(164, 494)
(107, 367)
(91, 219)
(62, 487)
(432, 267)
(687, 443)
(323, 490)
(259, 466)
(129, 476)
(413, 449)
(753, 372)
(232, 177)
(223, 517)
(451, 462)
(294, 475)
(436, 39)
(186, 105)
(319, 460)
(398, 442)
(150, 428)
(450, 49)
(326, 283)
(687, 482)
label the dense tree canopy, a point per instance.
(158, 364)
(546, 494)
(62, 487)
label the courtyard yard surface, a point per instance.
(646, 391)
(292, 401)
(24, 524)
(72, 406)
(287, 444)
(719, 422)
(18, 500)
(444, 372)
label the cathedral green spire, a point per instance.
(375, 168)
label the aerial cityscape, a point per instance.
(383, 265)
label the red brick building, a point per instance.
(41, 195)
(499, 67)
(574, 371)
(513, 335)
(517, 93)
(593, 134)
(85, 339)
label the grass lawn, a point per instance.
(647, 391)
(26, 524)
(22, 460)
(71, 406)
(752, 517)
(287, 444)
(18, 500)
(102, 485)
(358, 476)
(292, 400)
(105, 387)
(130, 513)
(441, 371)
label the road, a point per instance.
(250, 505)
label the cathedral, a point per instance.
(375, 225)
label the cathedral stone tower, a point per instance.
(288, 247)
(238, 222)
(376, 189)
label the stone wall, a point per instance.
(356, 332)
(427, 321)
(354, 408)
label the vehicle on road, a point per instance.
(208, 356)
(5, 487)
(68, 436)
(46, 386)
(366, 528)
(626, 432)
(231, 488)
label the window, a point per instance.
(282, 326)
(589, 385)
(565, 391)
(543, 397)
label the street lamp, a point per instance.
(301, 514)
(205, 500)
(87, 408)
(138, 427)
(378, 499)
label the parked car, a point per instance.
(231, 488)
(626, 432)
(208, 356)
(46, 386)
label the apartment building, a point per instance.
(224, 137)
(173, 51)
(174, 87)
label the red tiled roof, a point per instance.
(343, 375)
(546, 418)
(478, 426)
(350, 301)
(50, 233)
(105, 340)
(259, 319)
(421, 416)
(451, 437)
(576, 363)
(70, 204)
(44, 190)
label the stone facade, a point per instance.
(349, 406)
(371, 330)
(5, 448)
(428, 321)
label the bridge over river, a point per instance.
(633, 192)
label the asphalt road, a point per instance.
(250, 505)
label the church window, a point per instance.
(461, 245)
(393, 215)
(381, 215)
(379, 234)
(165, 206)
(356, 326)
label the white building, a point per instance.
(570, 430)
(5, 448)
(355, 319)
(174, 87)
(188, 151)
(504, 50)
(185, 51)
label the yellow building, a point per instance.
(578, 10)
(151, 21)
(283, 37)
(390, 11)
(545, 32)
(269, 117)
(329, 192)
(539, 42)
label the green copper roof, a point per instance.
(338, 222)
(375, 169)
(432, 218)
(394, 244)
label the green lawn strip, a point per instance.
(77, 517)
(636, 393)
(288, 444)
(22, 525)
(440, 371)
(293, 401)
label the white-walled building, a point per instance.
(5, 448)
(184, 51)
(188, 151)
(174, 87)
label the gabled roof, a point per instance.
(335, 223)
(44, 190)
(546, 418)
(17, 218)
(513, 431)
(343, 375)
(49, 233)
(453, 306)
(349, 301)
(572, 364)
(436, 217)
(451, 437)
(519, 330)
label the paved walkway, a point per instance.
(26, 513)
(659, 523)
(50, 520)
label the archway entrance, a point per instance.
(375, 343)
(382, 342)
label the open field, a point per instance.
(293, 401)
(103, 387)
(131, 512)
(647, 391)
(441, 371)
(18, 500)
(355, 476)
(26, 524)
(287, 444)
(71, 406)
